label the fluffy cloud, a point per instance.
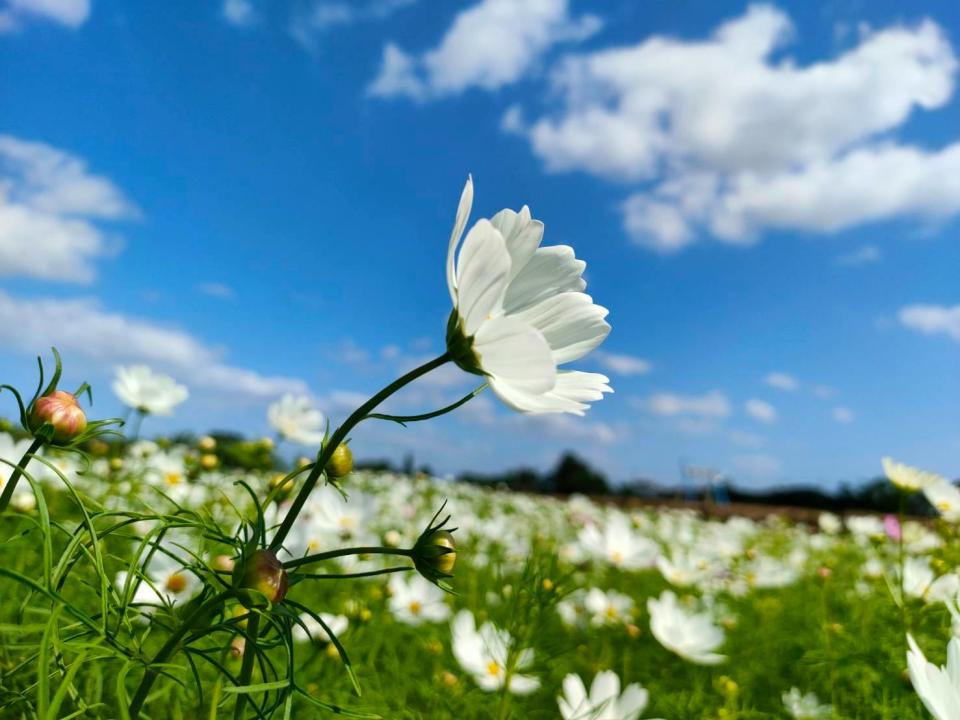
(932, 319)
(239, 12)
(621, 364)
(757, 467)
(82, 327)
(713, 404)
(489, 45)
(71, 13)
(782, 381)
(728, 138)
(51, 212)
(761, 411)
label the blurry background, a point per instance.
(255, 197)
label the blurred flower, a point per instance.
(907, 478)
(691, 635)
(417, 600)
(142, 389)
(617, 543)
(484, 654)
(309, 629)
(892, 527)
(938, 687)
(945, 497)
(296, 419)
(605, 702)
(805, 707)
(607, 608)
(519, 312)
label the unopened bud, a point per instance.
(341, 461)
(116, 464)
(281, 486)
(207, 444)
(264, 574)
(434, 555)
(209, 461)
(61, 410)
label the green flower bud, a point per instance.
(434, 556)
(60, 410)
(264, 574)
(341, 462)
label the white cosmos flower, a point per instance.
(604, 702)
(607, 608)
(805, 707)
(416, 600)
(945, 497)
(938, 687)
(617, 543)
(309, 629)
(484, 654)
(149, 392)
(296, 419)
(520, 311)
(691, 635)
(906, 477)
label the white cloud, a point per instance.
(782, 381)
(863, 255)
(314, 19)
(217, 290)
(567, 428)
(761, 411)
(745, 439)
(824, 392)
(622, 364)
(737, 140)
(239, 12)
(932, 319)
(713, 404)
(51, 208)
(71, 13)
(489, 45)
(83, 327)
(842, 415)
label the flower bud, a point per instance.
(207, 444)
(341, 462)
(61, 410)
(264, 574)
(281, 485)
(209, 461)
(434, 555)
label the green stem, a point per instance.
(17, 472)
(903, 566)
(347, 576)
(402, 419)
(168, 649)
(331, 554)
(249, 655)
(338, 437)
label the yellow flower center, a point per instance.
(943, 505)
(415, 607)
(612, 613)
(173, 478)
(616, 557)
(176, 583)
(493, 669)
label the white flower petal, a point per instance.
(551, 270)
(522, 235)
(463, 212)
(571, 323)
(515, 354)
(482, 270)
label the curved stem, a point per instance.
(330, 554)
(339, 435)
(246, 670)
(347, 576)
(17, 472)
(168, 649)
(402, 419)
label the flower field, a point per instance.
(561, 607)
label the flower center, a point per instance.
(616, 557)
(177, 583)
(612, 613)
(493, 669)
(173, 478)
(415, 607)
(943, 506)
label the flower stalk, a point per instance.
(21, 467)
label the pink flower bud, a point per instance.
(61, 410)
(892, 527)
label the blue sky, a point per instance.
(256, 198)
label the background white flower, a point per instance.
(484, 654)
(296, 419)
(415, 600)
(938, 687)
(691, 635)
(604, 702)
(142, 389)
